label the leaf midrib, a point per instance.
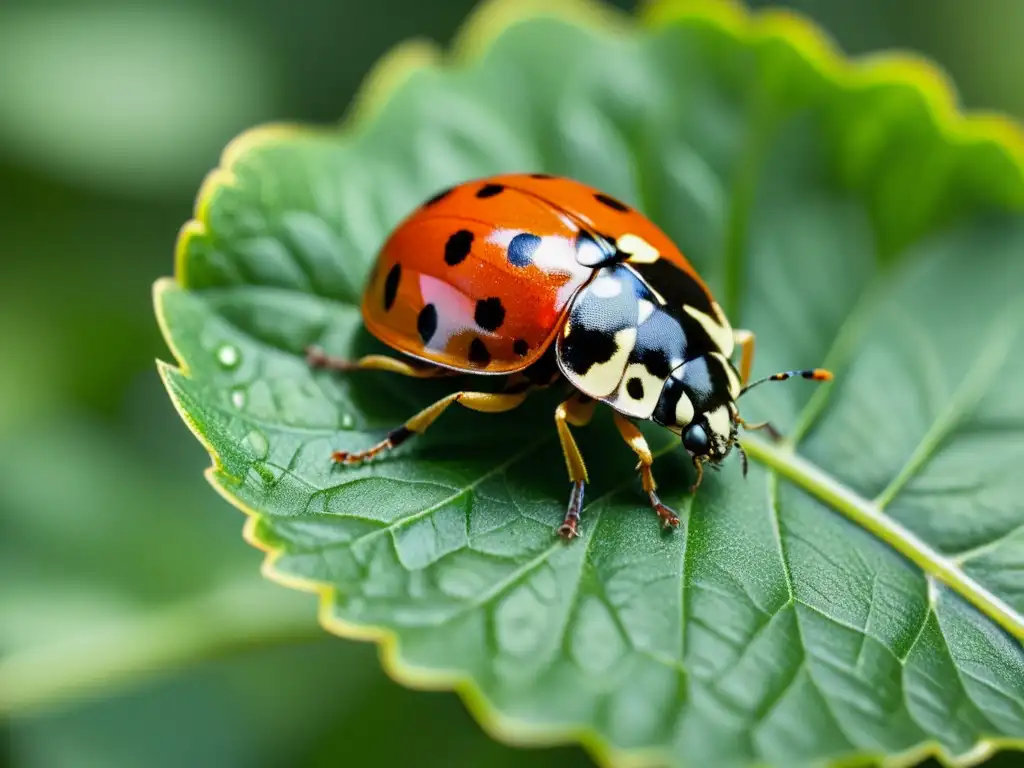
(868, 515)
(998, 339)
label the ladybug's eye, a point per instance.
(695, 440)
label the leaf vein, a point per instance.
(977, 381)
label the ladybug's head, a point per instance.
(698, 403)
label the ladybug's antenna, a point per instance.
(814, 374)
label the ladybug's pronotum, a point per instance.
(542, 279)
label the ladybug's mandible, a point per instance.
(542, 279)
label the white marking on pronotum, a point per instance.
(605, 287)
(721, 334)
(639, 250)
(684, 410)
(644, 310)
(719, 421)
(602, 378)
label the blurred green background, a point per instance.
(115, 556)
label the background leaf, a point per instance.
(845, 214)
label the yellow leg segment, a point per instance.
(573, 411)
(772, 432)
(577, 410)
(316, 358)
(699, 466)
(745, 341)
(476, 401)
(635, 439)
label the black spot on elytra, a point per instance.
(489, 314)
(426, 322)
(541, 176)
(521, 249)
(611, 202)
(490, 190)
(478, 354)
(635, 388)
(520, 347)
(585, 347)
(391, 285)
(457, 247)
(438, 197)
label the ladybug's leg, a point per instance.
(632, 435)
(476, 401)
(577, 410)
(316, 358)
(745, 341)
(773, 433)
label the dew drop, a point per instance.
(347, 422)
(238, 398)
(228, 356)
(257, 442)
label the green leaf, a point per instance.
(858, 600)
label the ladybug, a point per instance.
(542, 279)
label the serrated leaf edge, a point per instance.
(477, 33)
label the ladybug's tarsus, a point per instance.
(395, 438)
(569, 529)
(669, 519)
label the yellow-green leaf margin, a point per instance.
(479, 30)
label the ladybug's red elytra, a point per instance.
(542, 279)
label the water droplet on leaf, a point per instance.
(238, 398)
(228, 356)
(347, 422)
(257, 442)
